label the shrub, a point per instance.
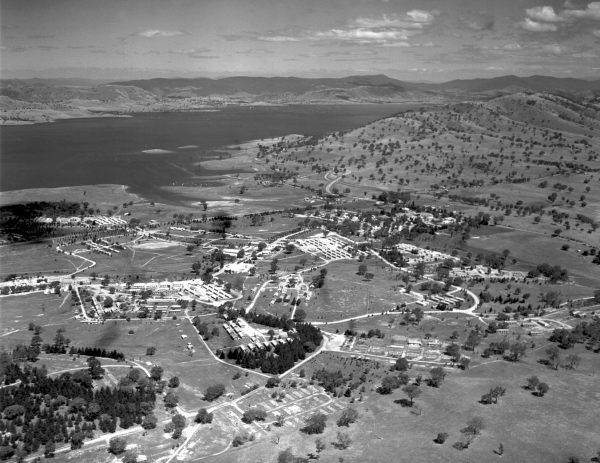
(441, 438)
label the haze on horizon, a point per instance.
(433, 40)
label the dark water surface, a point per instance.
(109, 150)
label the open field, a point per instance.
(35, 259)
(535, 249)
(347, 294)
(45, 310)
(548, 429)
(97, 195)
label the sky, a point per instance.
(424, 40)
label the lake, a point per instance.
(110, 150)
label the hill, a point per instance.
(45, 100)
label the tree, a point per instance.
(542, 389)
(554, 356)
(299, 315)
(130, 458)
(156, 373)
(571, 362)
(464, 363)
(437, 376)
(475, 425)
(473, 340)
(315, 423)
(286, 456)
(49, 449)
(203, 417)
(532, 383)
(388, 384)
(117, 445)
(254, 414)
(77, 440)
(171, 400)
(369, 276)
(517, 351)
(453, 350)
(349, 416)
(343, 441)
(174, 382)
(272, 382)
(401, 364)
(214, 392)
(441, 438)
(362, 269)
(149, 422)
(95, 368)
(492, 396)
(419, 270)
(151, 351)
(412, 391)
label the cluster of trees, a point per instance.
(583, 331)
(513, 352)
(97, 352)
(283, 322)
(538, 387)
(492, 396)
(273, 360)
(43, 411)
(553, 273)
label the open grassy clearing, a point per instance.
(550, 428)
(97, 195)
(45, 310)
(535, 249)
(347, 294)
(35, 259)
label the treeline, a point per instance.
(43, 411)
(97, 352)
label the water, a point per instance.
(110, 150)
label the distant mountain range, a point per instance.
(377, 85)
(43, 100)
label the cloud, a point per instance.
(486, 25)
(154, 33)
(596, 33)
(13, 49)
(366, 36)
(99, 51)
(255, 51)
(277, 38)
(422, 16)
(512, 46)
(543, 14)
(592, 11)
(379, 31)
(189, 51)
(533, 26)
(204, 56)
(39, 37)
(586, 55)
(554, 49)
(47, 47)
(415, 19)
